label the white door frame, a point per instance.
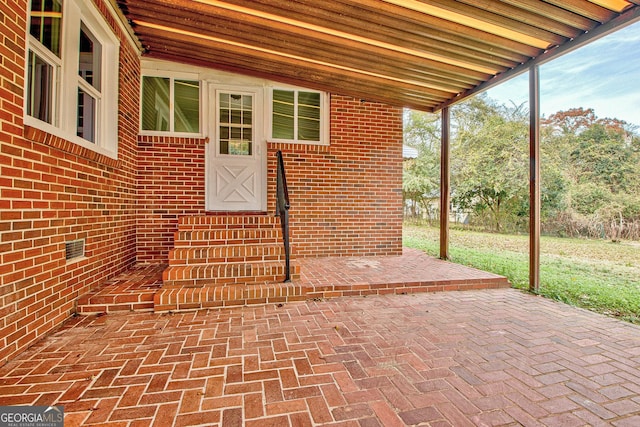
(218, 166)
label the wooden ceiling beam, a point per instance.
(364, 91)
(480, 19)
(416, 53)
(206, 43)
(553, 12)
(630, 16)
(403, 21)
(282, 65)
(360, 55)
(616, 5)
(585, 8)
(281, 24)
(217, 9)
(539, 14)
(390, 28)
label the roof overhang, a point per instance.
(419, 54)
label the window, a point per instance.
(40, 95)
(235, 123)
(298, 116)
(72, 74)
(43, 59)
(170, 105)
(89, 95)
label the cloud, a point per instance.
(604, 75)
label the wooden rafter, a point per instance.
(412, 53)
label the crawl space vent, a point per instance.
(74, 249)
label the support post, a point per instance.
(534, 179)
(444, 183)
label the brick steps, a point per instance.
(184, 298)
(226, 273)
(220, 222)
(227, 237)
(224, 260)
(131, 291)
(226, 254)
(413, 272)
(217, 261)
(116, 303)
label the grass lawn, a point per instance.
(598, 275)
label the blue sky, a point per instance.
(604, 75)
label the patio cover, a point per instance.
(411, 53)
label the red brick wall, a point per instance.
(53, 191)
(347, 198)
(170, 184)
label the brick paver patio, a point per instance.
(412, 271)
(477, 357)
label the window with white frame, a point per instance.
(72, 74)
(235, 123)
(299, 115)
(170, 105)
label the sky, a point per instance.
(603, 75)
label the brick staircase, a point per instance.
(133, 290)
(225, 260)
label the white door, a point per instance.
(236, 163)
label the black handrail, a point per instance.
(282, 209)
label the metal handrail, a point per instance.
(282, 209)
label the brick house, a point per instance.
(121, 194)
(116, 151)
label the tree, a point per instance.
(590, 177)
(598, 162)
(602, 155)
(572, 121)
(490, 160)
(421, 179)
(422, 131)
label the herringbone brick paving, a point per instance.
(479, 357)
(411, 272)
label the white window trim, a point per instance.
(65, 92)
(324, 116)
(172, 76)
(208, 77)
